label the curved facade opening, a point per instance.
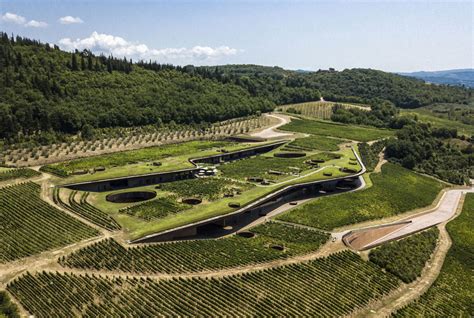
(130, 197)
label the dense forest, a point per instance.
(46, 91)
(438, 152)
(350, 85)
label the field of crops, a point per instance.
(30, 225)
(156, 209)
(318, 109)
(86, 210)
(332, 286)
(313, 143)
(326, 128)
(260, 166)
(204, 188)
(199, 255)
(395, 190)
(452, 294)
(134, 156)
(406, 258)
(18, 173)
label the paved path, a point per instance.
(444, 211)
(270, 132)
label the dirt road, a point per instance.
(270, 131)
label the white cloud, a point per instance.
(13, 18)
(117, 46)
(70, 20)
(36, 24)
(18, 19)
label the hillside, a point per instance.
(450, 77)
(350, 85)
(49, 91)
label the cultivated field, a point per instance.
(267, 242)
(406, 258)
(452, 293)
(31, 226)
(332, 286)
(395, 190)
(318, 109)
(327, 128)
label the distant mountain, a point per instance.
(452, 77)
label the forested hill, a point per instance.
(352, 85)
(44, 89)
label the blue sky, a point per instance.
(386, 35)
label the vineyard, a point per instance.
(205, 188)
(406, 258)
(133, 156)
(395, 190)
(452, 293)
(332, 286)
(322, 110)
(18, 173)
(272, 168)
(123, 139)
(156, 209)
(31, 226)
(313, 143)
(326, 128)
(199, 255)
(85, 210)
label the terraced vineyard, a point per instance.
(332, 286)
(132, 156)
(395, 190)
(452, 293)
(313, 143)
(86, 210)
(156, 209)
(31, 226)
(204, 188)
(406, 258)
(18, 173)
(271, 241)
(326, 128)
(262, 166)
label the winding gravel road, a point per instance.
(270, 131)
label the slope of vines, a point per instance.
(86, 210)
(18, 173)
(326, 287)
(29, 225)
(406, 258)
(452, 294)
(199, 255)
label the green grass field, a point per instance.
(326, 128)
(136, 227)
(313, 143)
(395, 190)
(452, 294)
(141, 161)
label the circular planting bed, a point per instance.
(327, 174)
(246, 234)
(289, 154)
(130, 197)
(234, 205)
(192, 201)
